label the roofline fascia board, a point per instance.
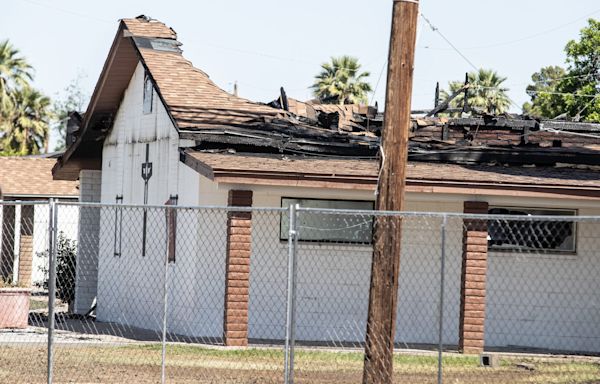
(94, 98)
(197, 165)
(373, 181)
(417, 187)
(217, 173)
(44, 197)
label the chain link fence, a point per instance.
(113, 293)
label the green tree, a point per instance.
(544, 100)
(25, 125)
(14, 72)
(485, 92)
(341, 82)
(576, 94)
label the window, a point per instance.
(148, 91)
(328, 227)
(552, 236)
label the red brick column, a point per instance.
(237, 279)
(473, 277)
(26, 245)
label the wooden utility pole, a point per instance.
(383, 294)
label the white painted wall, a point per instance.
(130, 287)
(535, 301)
(547, 301)
(333, 279)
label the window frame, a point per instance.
(283, 237)
(147, 107)
(567, 212)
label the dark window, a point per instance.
(148, 91)
(546, 236)
(330, 227)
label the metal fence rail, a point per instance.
(231, 294)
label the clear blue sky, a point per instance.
(264, 44)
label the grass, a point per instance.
(196, 364)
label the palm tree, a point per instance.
(340, 82)
(14, 72)
(24, 127)
(485, 92)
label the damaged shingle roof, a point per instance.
(193, 100)
(201, 110)
(145, 27)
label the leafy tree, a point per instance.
(576, 94)
(73, 99)
(485, 92)
(544, 100)
(341, 82)
(24, 111)
(25, 125)
(14, 72)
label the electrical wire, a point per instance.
(53, 7)
(552, 130)
(378, 80)
(541, 33)
(435, 29)
(544, 92)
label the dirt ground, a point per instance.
(191, 364)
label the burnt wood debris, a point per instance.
(217, 121)
(503, 140)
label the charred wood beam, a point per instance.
(280, 130)
(496, 121)
(281, 145)
(284, 99)
(511, 157)
(444, 105)
(426, 111)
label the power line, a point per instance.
(541, 33)
(87, 16)
(544, 92)
(557, 79)
(435, 29)
(378, 80)
(256, 53)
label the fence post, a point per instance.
(291, 297)
(52, 232)
(441, 313)
(163, 366)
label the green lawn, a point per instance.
(195, 364)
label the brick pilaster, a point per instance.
(473, 279)
(237, 279)
(26, 245)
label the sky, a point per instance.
(265, 44)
